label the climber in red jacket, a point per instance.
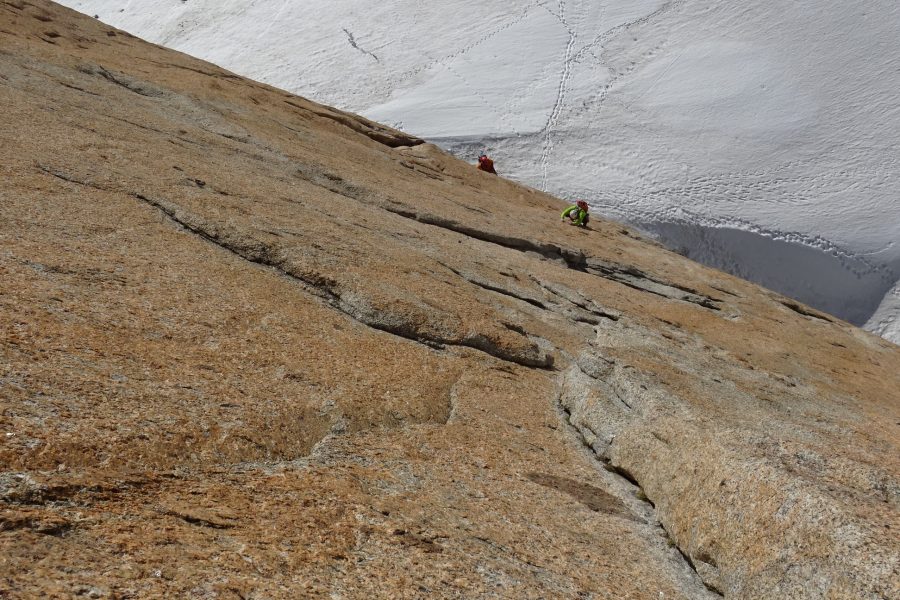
(486, 164)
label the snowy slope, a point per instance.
(759, 137)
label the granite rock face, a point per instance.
(255, 347)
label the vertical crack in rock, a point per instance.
(587, 437)
(731, 491)
(601, 399)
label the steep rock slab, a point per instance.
(764, 147)
(252, 349)
(655, 413)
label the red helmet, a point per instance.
(582, 205)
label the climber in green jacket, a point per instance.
(577, 214)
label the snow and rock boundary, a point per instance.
(643, 108)
(252, 349)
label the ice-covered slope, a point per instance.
(758, 137)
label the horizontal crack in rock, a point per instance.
(637, 279)
(806, 312)
(132, 85)
(257, 252)
(327, 289)
(492, 287)
(574, 259)
(51, 525)
(379, 133)
(201, 518)
(578, 300)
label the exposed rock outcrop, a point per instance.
(257, 347)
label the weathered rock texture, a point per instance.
(254, 347)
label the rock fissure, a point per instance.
(286, 431)
(600, 442)
(492, 287)
(132, 85)
(330, 291)
(332, 182)
(201, 518)
(578, 300)
(216, 75)
(52, 526)
(703, 576)
(639, 280)
(359, 309)
(78, 89)
(806, 312)
(375, 132)
(664, 445)
(505, 292)
(624, 274)
(572, 258)
(629, 485)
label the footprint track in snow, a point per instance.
(560, 95)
